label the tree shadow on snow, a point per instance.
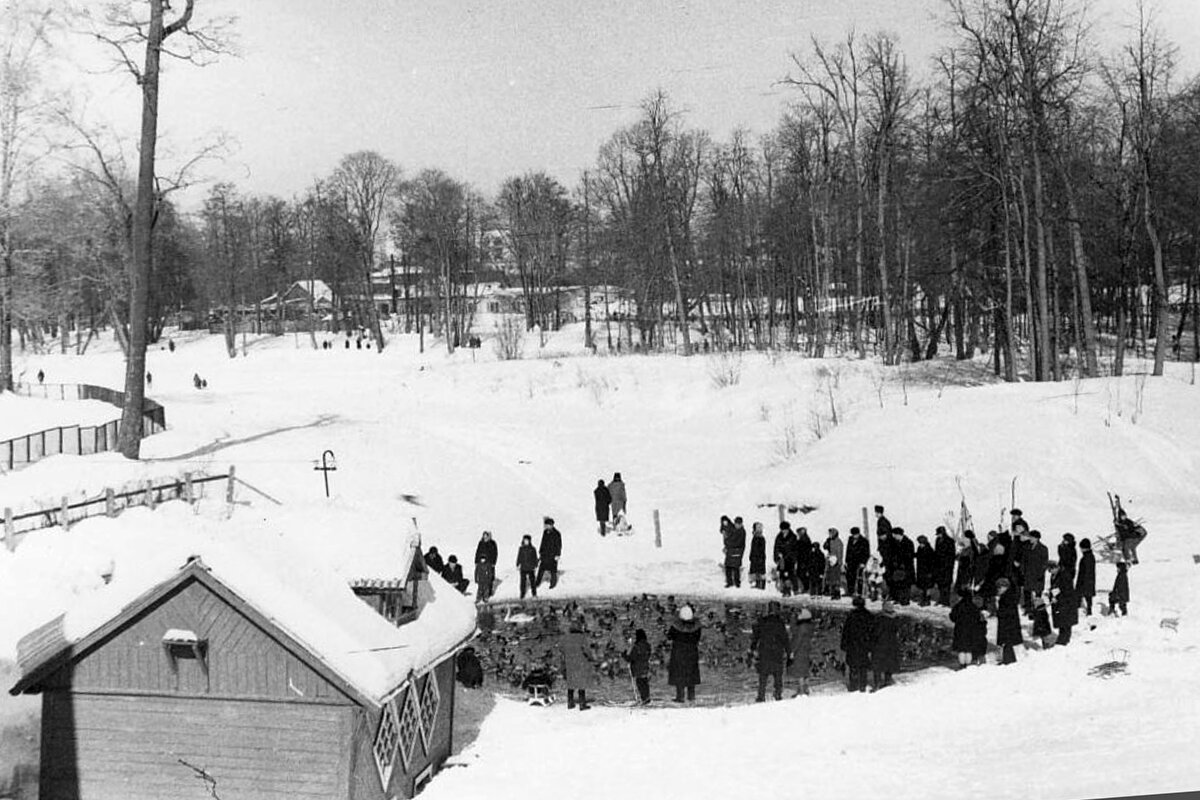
(222, 443)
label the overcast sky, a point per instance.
(485, 90)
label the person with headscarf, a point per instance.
(616, 491)
(578, 673)
(683, 667)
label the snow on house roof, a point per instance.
(286, 580)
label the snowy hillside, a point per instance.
(465, 443)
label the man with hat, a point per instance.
(773, 647)
(943, 571)
(1018, 525)
(898, 563)
(883, 533)
(549, 550)
(858, 634)
(1033, 570)
(885, 650)
(858, 553)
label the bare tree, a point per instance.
(367, 181)
(126, 27)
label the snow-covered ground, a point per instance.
(465, 443)
(24, 415)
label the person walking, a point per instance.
(1008, 621)
(800, 662)
(735, 550)
(603, 504)
(527, 562)
(885, 648)
(616, 491)
(858, 634)
(683, 667)
(578, 672)
(1085, 580)
(772, 646)
(638, 657)
(758, 557)
(486, 556)
(549, 551)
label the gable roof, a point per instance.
(309, 607)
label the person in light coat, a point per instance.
(800, 664)
(578, 673)
(616, 491)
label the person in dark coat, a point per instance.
(1018, 525)
(858, 634)
(683, 668)
(1034, 566)
(997, 563)
(735, 550)
(1067, 557)
(1118, 598)
(899, 566)
(486, 557)
(800, 663)
(966, 618)
(784, 554)
(638, 657)
(527, 562)
(433, 561)
(1085, 580)
(549, 551)
(883, 533)
(943, 565)
(578, 672)
(1129, 535)
(802, 549)
(616, 490)
(758, 557)
(772, 646)
(1008, 621)
(453, 573)
(467, 668)
(858, 553)
(1064, 603)
(964, 577)
(1041, 620)
(885, 650)
(926, 560)
(980, 566)
(603, 504)
(816, 567)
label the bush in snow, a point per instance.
(510, 339)
(725, 369)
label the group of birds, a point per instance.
(520, 638)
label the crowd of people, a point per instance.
(533, 564)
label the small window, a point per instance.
(430, 700)
(386, 739)
(184, 644)
(410, 724)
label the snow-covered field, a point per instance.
(24, 415)
(467, 443)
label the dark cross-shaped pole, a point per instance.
(326, 468)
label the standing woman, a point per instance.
(801, 661)
(1085, 581)
(616, 490)
(758, 557)
(603, 504)
(966, 618)
(683, 669)
(577, 669)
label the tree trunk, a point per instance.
(1160, 276)
(1087, 322)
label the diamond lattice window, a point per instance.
(410, 724)
(430, 700)
(386, 741)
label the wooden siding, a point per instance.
(242, 659)
(113, 747)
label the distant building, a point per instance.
(223, 676)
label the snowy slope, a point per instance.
(467, 443)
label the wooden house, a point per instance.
(225, 677)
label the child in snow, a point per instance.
(874, 577)
(1119, 596)
(1041, 620)
(639, 665)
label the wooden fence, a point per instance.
(76, 440)
(188, 487)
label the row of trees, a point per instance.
(1027, 199)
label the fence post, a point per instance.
(64, 521)
(229, 486)
(657, 530)
(149, 501)
(110, 502)
(866, 524)
(782, 513)
(9, 536)
(187, 487)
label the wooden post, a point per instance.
(229, 486)
(657, 530)
(10, 540)
(187, 487)
(782, 513)
(63, 520)
(866, 524)
(150, 495)
(110, 502)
